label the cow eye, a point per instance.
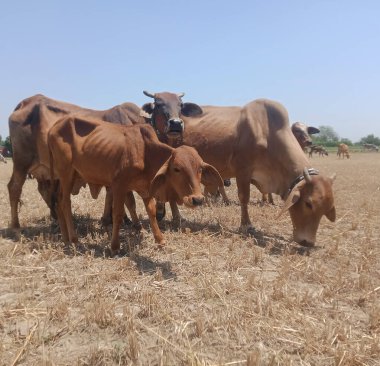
(177, 170)
(309, 205)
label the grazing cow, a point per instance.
(317, 149)
(254, 142)
(343, 151)
(128, 158)
(370, 147)
(2, 159)
(29, 125)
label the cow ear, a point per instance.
(148, 108)
(191, 110)
(158, 185)
(312, 130)
(331, 214)
(293, 198)
(210, 176)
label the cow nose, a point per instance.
(175, 125)
(197, 201)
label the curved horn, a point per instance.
(180, 95)
(150, 95)
(306, 175)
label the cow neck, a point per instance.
(158, 153)
(299, 179)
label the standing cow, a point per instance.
(317, 149)
(125, 158)
(29, 125)
(252, 142)
(343, 151)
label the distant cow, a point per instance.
(254, 142)
(343, 151)
(29, 125)
(2, 159)
(317, 149)
(125, 158)
(370, 147)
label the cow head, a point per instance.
(166, 112)
(180, 177)
(307, 202)
(302, 132)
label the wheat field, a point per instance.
(213, 296)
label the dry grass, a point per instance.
(212, 297)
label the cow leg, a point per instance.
(224, 195)
(107, 212)
(119, 197)
(67, 214)
(160, 210)
(176, 216)
(61, 220)
(151, 210)
(14, 189)
(243, 185)
(131, 205)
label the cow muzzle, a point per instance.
(175, 126)
(194, 201)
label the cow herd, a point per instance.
(164, 151)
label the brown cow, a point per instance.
(256, 142)
(29, 125)
(343, 151)
(128, 158)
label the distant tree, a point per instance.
(346, 141)
(370, 139)
(327, 136)
(1, 141)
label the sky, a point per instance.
(320, 59)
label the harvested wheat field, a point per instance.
(212, 297)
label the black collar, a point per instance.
(301, 177)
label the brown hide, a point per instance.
(256, 143)
(128, 158)
(29, 125)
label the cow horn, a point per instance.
(180, 95)
(150, 95)
(306, 175)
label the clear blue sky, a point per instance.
(321, 59)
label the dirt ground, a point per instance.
(212, 297)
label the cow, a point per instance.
(128, 158)
(2, 159)
(343, 151)
(29, 125)
(302, 133)
(317, 149)
(370, 147)
(253, 142)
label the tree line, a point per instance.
(329, 138)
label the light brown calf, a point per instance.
(125, 159)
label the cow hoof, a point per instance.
(248, 229)
(106, 221)
(115, 253)
(306, 243)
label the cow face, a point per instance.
(166, 112)
(302, 132)
(180, 177)
(308, 201)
